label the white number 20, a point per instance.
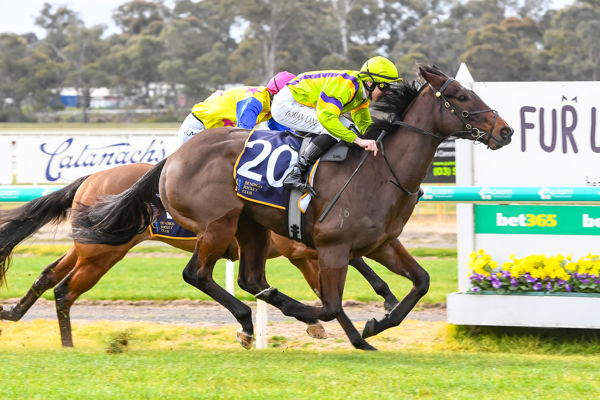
(245, 169)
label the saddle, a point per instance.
(262, 166)
(298, 201)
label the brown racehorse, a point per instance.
(367, 220)
(82, 266)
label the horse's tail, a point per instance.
(119, 218)
(18, 224)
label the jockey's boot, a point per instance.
(297, 177)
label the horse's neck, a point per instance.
(412, 154)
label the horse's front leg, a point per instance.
(331, 284)
(254, 241)
(397, 259)
(378, 284)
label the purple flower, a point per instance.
(585, 281)
(514, 282)
(537, 286)
(549, 286)
(568, 287)
(506, 274)
(529, 278)
(496, 283)
(475, 289)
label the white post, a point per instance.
(261, 324)
(464, 177)
(229, 276)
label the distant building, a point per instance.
(104, 98)
(69, 97)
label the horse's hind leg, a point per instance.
(49, 277)
(397, 259)
(210, 247)
(91, 265)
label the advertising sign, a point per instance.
(557, 135)
(556, 143)
(443, 166)
(64, 159)
(5, 161)
(537, 220)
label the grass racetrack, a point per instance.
(417, 360)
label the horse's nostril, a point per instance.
(506, 132)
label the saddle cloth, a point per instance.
(267, 158)
(259, 171)
(164, 226)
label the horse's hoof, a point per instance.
(365, 346)
(244, 339)
(5, 314)
(316, 331)
(369, 329)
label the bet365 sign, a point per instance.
(544, 220)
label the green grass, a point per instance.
(159, 278)
(239, 374)
(419, 360)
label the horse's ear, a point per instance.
(431, 74)
(422, 70)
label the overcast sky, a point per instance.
(18, 16)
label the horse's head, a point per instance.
(463, 114)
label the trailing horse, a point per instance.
(82, 266)
(196, 188)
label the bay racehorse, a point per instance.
(197, 188)
(83, 265)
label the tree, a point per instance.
(137, 16)
(145, 53)
(571, 48)
(14, 74)
(75, 48)
(504, 51)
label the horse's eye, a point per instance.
(462, 98)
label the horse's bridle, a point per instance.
(462, 115)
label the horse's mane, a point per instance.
(395, 101)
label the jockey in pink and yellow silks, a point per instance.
(315, 101)
(243, 107)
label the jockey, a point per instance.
(243, 107)
(315, 101)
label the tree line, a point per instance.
(195, 47)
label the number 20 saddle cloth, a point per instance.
(267, 158)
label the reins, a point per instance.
(462, 115)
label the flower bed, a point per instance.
(535, 273)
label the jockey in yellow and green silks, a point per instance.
(315, 101)
(333, 93)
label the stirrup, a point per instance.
(301, 186)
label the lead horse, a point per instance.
(197, 189)
(82, 266)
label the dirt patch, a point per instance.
(420, 328)
(195, 312)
